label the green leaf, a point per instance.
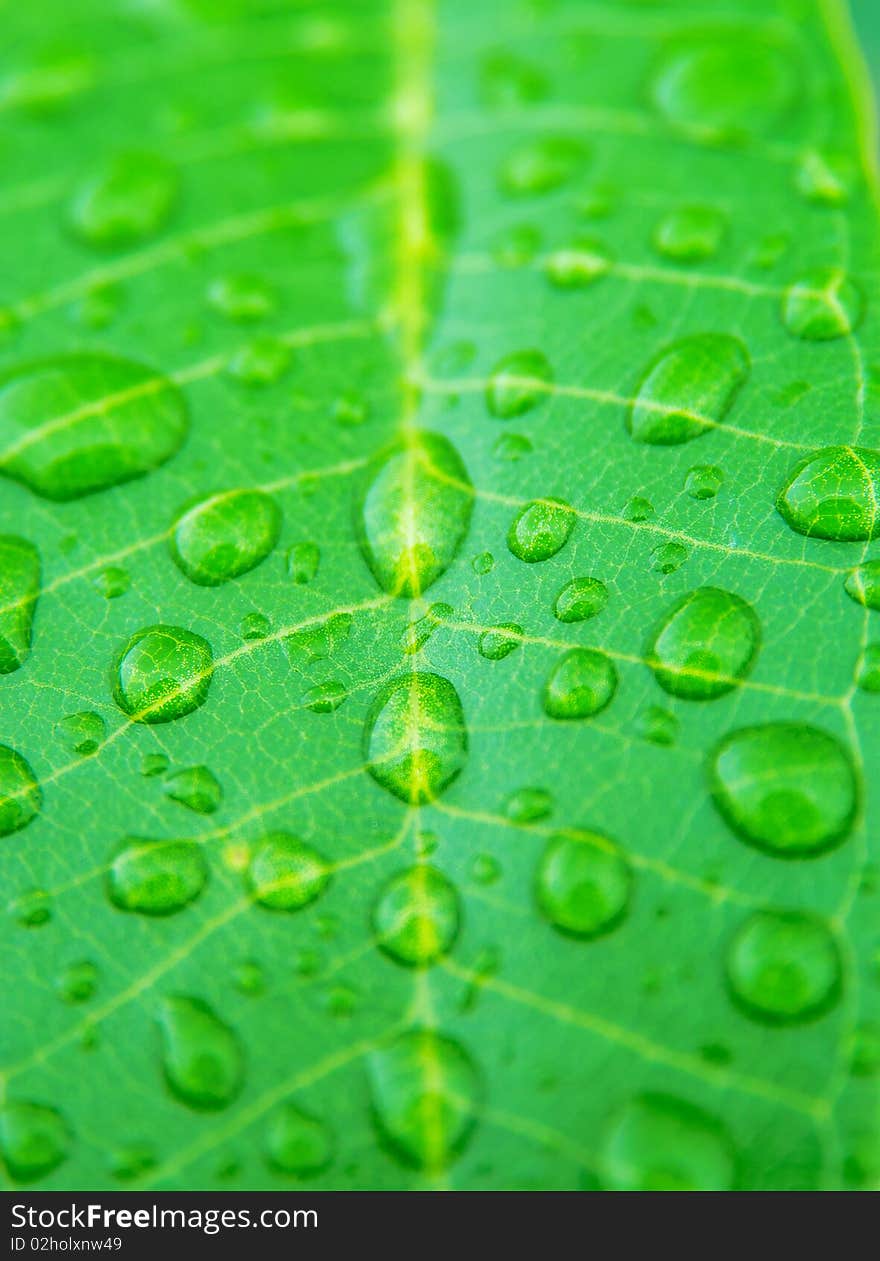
(439, 452)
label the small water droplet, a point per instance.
(415, 736)
(77, 982)
(319, 642)
(132, 1162)
(83, 732)
(784, 967)
(418, 633)
(297, 1143)
(703, 481)
(656, 1142)
(833, 494)
(263, 361)
(195, 787)
(540, 530)
(350, 410)
(688, 389)
(485, 869)
(865, 1051)
(156, 877)
(868, 669)
(541, 165)
(112, 582)
(127, 201)
(705, 644)
(690, 234)
(666, 558)
(518, 383)
(581, 684)
(34, 1139)
(825, 178)
(31, 909)
(201, 1056)
(658, 726)
(303, 560)
(528, 805)
(579, 265)
(98, 307)
(416, 918)
(153, 764)
(638, 509)
(19, 588)
(483, 564)
(580, 599)
(20, 795)
(500, 641)
(254, 627)
(243, 298)
(823, 305)
(162, 673)
(863, 584)
(285, 873)
(583, 884)
(225, 536)
(728, 86)
(325, 698)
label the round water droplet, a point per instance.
(863, 584)
(162, 673)
(784, 967)
(414, 513)
(285, 873)
(580, 599)
(528, 805)
(254, 626)
(262, 362)
(201, 1055)
(690, 234)
(511, 446)
(225, 536)
(788, 789)
(82, 733)
(580, 685)
(500, 641)
(703, 481)
(834, 494)
(125, 202)
(659, 1143)
(868, 669)
(731, 85)
(415, 738)
(425, 1091)
(34, 1139)
(539, 166)
(77, 982)
(325, 698)
(540, 530)
(82, 423)
(583, 884)
(638, 509)
(668, 557)
(416, 918)
(303, 560)
(483, 564)
(196, 787)
(485, 869)
(823, 305)
(153, 764)
(658, 726)
(705, 645)
(242, 298)
(20, 795)
(297, 1143)
(688, 389)
(578, 266)
(518, 383)
(156, 877)
(19, 588)
(31, 909)
(249, 978)
(112, 582)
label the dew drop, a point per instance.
(125, 202)
(580, 599)
(528, 805)
(201, 1055)
(303, 560)
(583, 884)
(19, 588)
(865, 1051)
(822, 306)
(690, 234)
(511, 446)
(484, 563)
(784, 967)
(350, 410)
(418, 633)
(296, 1143)
(162, 673)
(249, 978)
(500, 641)
(254, 627)
(20, 795)
(153, 764)
(321, 641)
(656, 1142)
(863, 584)
(540, 530)
(825, 179)
(82, 733)
(195, 787)
(703, 481)
(833, 495)
(415, 738)
(325, 698)
(285, 873)
(225, 536)
(868, 669)
(666, 558)
(485, 869)
(76, 424)
(243, 298)
(518, 383)
(541, 165)
(658, 726)
(788, 789)
(31, 909)
(688, 389)
(34, 1139)
(729, 86)
(581, 684)
(416, 918)
(77, 982)
(156, 877)
(112, 582)
(578, 266)
(263, 361)
(705, 645)
(98, 307)
(638, 509)
(414, 514)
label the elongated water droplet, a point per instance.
(414, 514)
(868, 669)
(31, 909)
(242, 297)
(112, 582)
(82, 733)
(254, 626)
(127, 201)
(34, 1139)
(580, 599)
(656, 1142)
(425, 1091)
(162, 673)
(578, 266)
(688, 389)
(195, 787)
(834, 494)
(156, 877)
(528, 805)
(285, 873)
(20, 795)
(788, 789)
(19, 588)
(731, 85)
(415, 738)
(539, 166)
(81, 423)
(583, 884)
(500, 641)
(297, 1143)
(690, 234)
(225, 536)
(540, 530)
(580, 685)
(518, 383)
(784, 967)
(705, 645)
(863, 584)
(416, 918)
(326, 697)
(303, 560)
(201, 1055)
(823, 305)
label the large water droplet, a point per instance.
(518, 383)
(583, 884)
(688, 389)
(580, 599)
(540, 530)
(823, 305)
(784, 967)
(20, 796)
(659, 1143)
(416, 918)
(34, 1139)
(834, 494)
(127, 201)
(425, 1090)
(19, 588)
(414, 514)
(81, 423)
(195, 787)
(788, 789)
(705, 645)
(690, 234)
(297, 1143)
(730, 85)
(225, 536)
(285, 873)
(162, 673)
(415, 738)
(156, 877)
(201, 1055)
(580, 685)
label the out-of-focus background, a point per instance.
(867, 18)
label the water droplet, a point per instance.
(20, 795)
(541, 165)
(112, 582)
(254, 627)
(303, 560)
(77, 982)
(132, 1162)
(249, 978)
(415, 736)
(690, 234)
(225, 536)
(825, 178)
(319, 642)
(833, 494)
(263, 361)
(659, 1143)
(868, 669)
(729, 86)
(425, 1091)
(19, 588)
(414, 514)
(638, 509)
(583, 884)
(31, 909)
(82, 733)
(34, 1139)
(863, 584)
(285, 873)
(788, 789)
(243, 298)
(485, 869)
(865, 1051)
(201, 1055)
(705, 645)
(784, 967)
(507, 80)
(162, 673)
(195, 787)
(580, 599)
(82, 423)
(325, 698)
(483, 564)
(156, 877)
(500, 641)
(703, 481)
(580, 685)
(418, 633)
(688, 389)
(297, 1143)
(511, 446)
(540, 530)
(658, 726)
(528, 805)
(153, 764)
(516, 245)
(823, 305)
(416, 918)
(578, 266)
(350, 410)
(518, 383)
(126, 201)
(668, 557)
